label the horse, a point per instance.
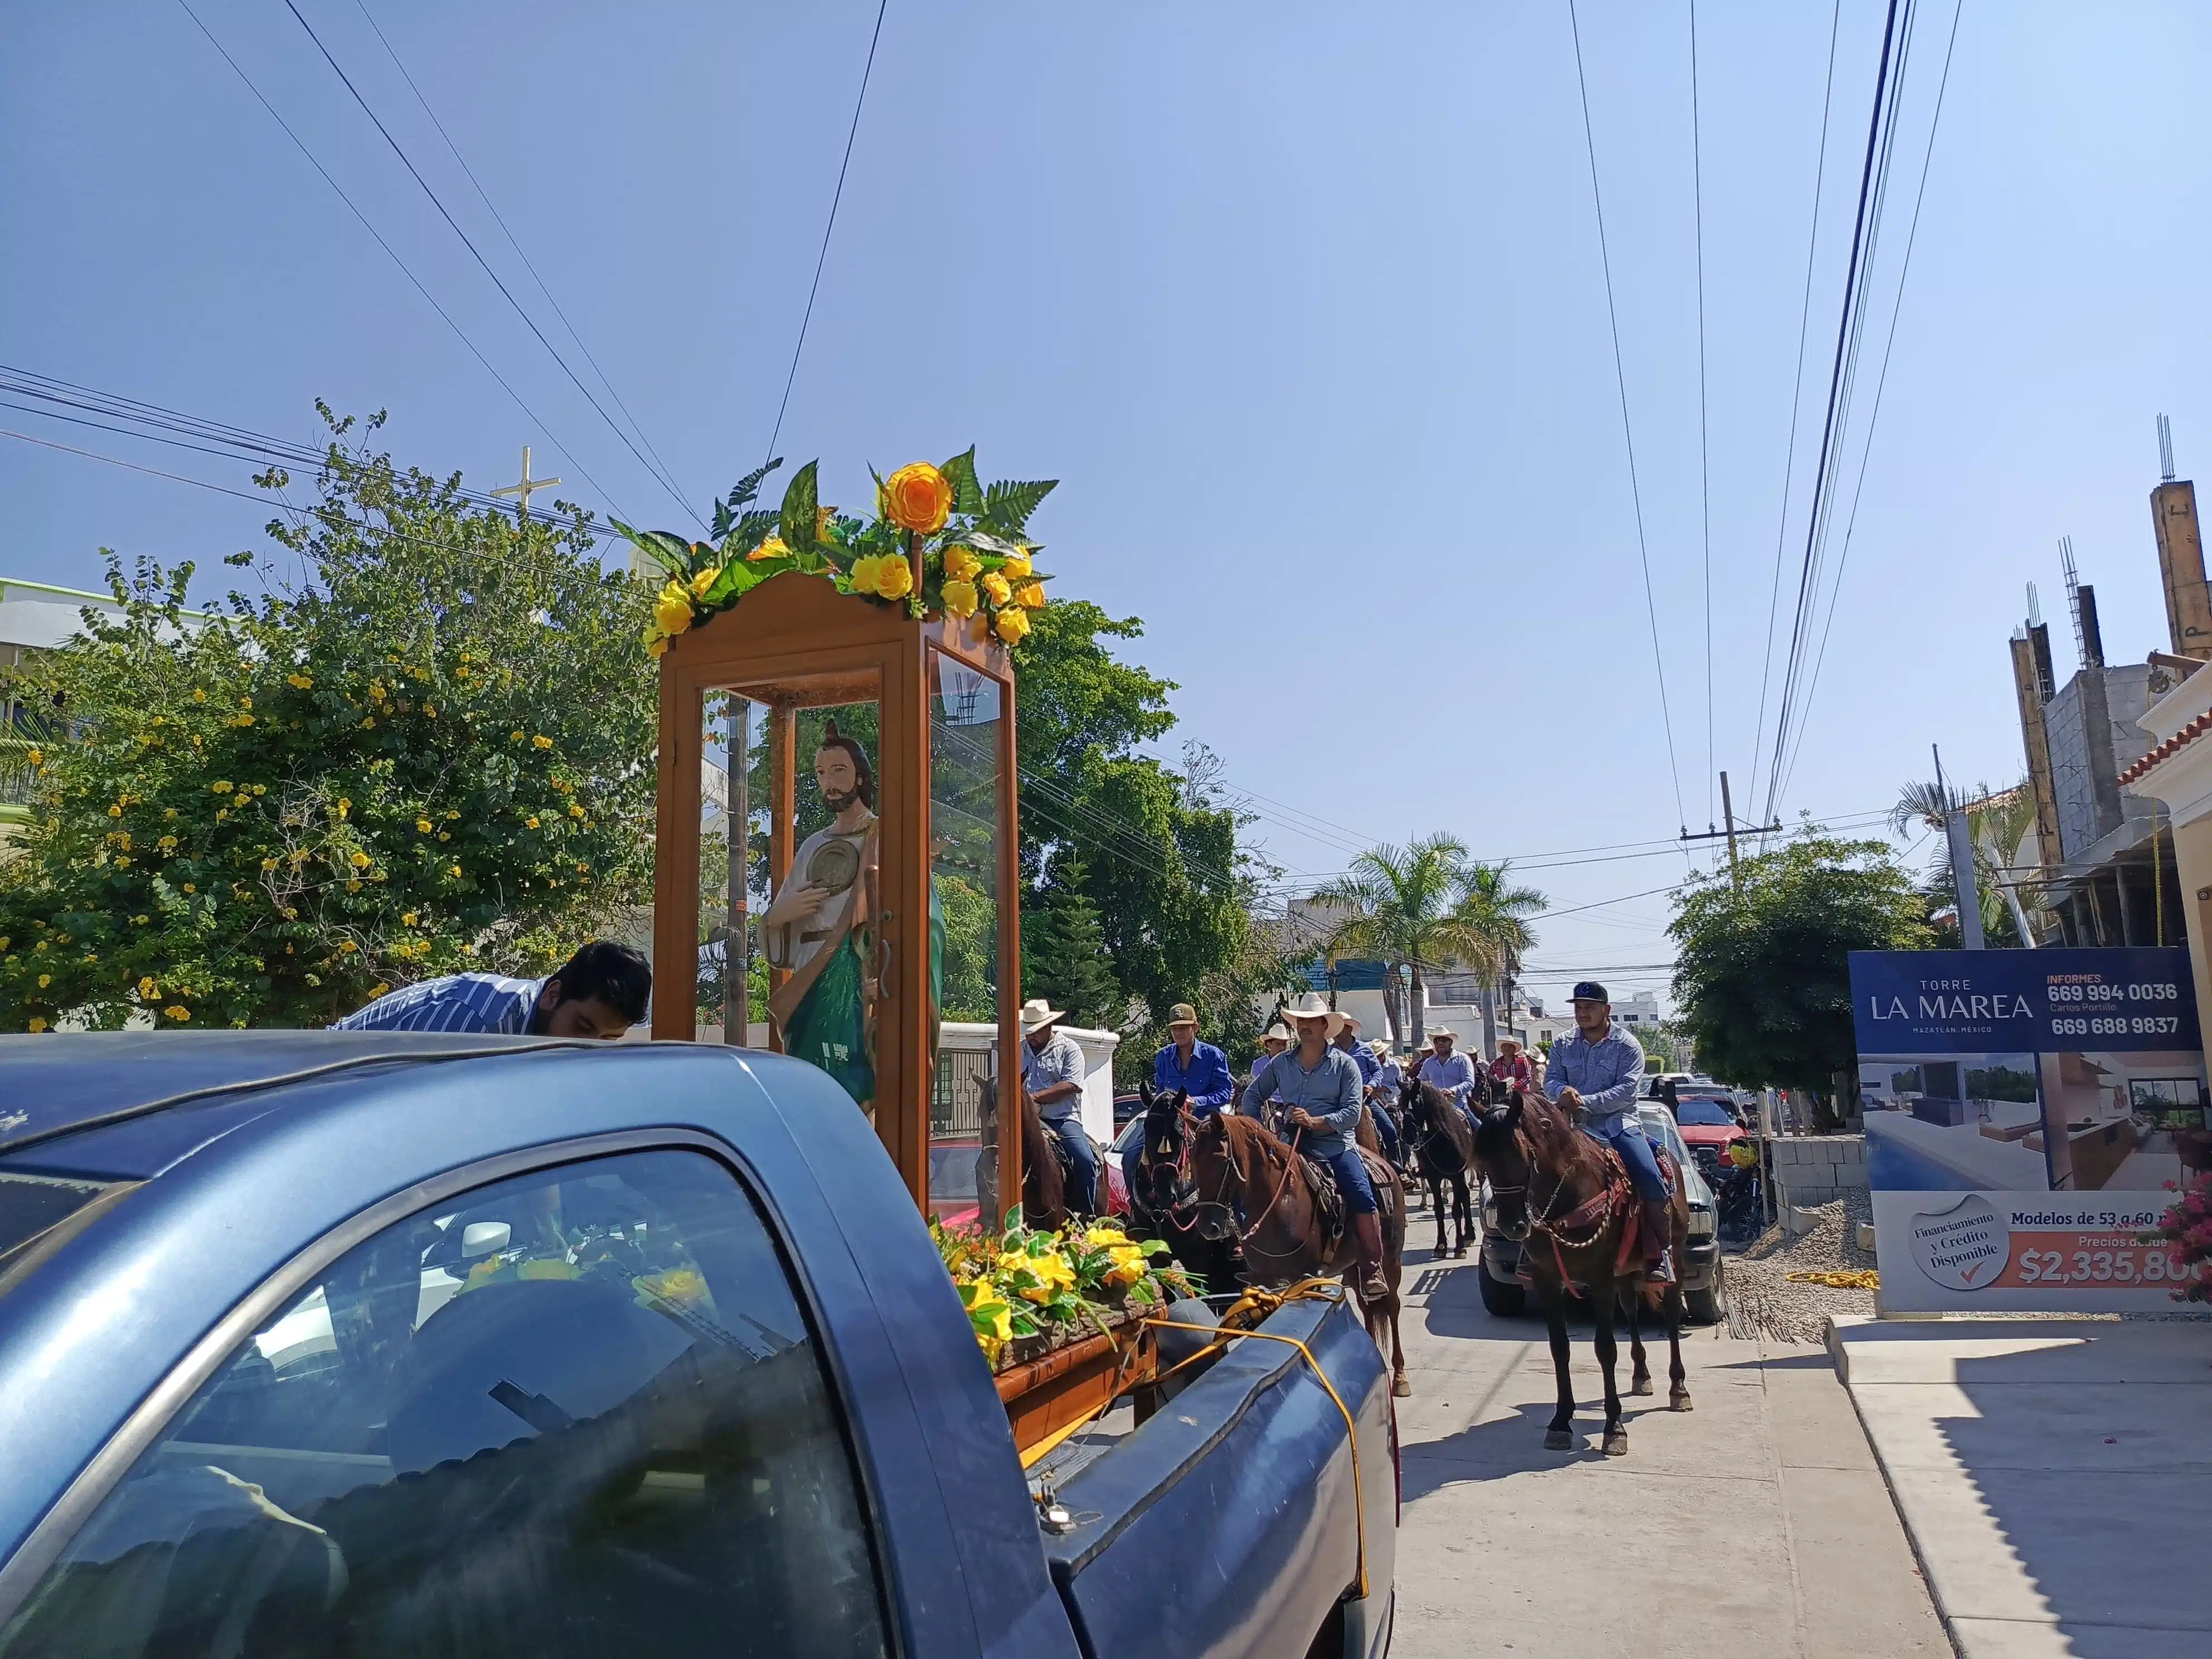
(1576, 1228)
(1162, 1198)
(1237, 1167)
(1044, 1165)
(1444, 1138)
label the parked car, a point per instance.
(1709, 1125)
(361, 1343)
(1505, 1295)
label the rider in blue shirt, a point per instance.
(1190, 1067)
(1320, 1089)
(1370, 1068)
(1599, 1071)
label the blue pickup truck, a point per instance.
(340, 1343)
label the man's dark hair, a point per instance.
(615, 973)
(865, 777)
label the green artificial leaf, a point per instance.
(749, 486)
(738, 578)
(1154, 1247)
(670, 552)
(800, 505)
(960, 473)
(1022, 1324)
(1008, 504)
(984, 542)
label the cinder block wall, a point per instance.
(1812, 1169)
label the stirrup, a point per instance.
(1660, 1272)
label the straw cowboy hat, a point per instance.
(1443, 1031)
(1381, 1047)
(1311, 1006)
(1037, 1012)
(1277, 1032)
(1514, 1041)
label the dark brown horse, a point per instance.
(1044, 1177)
(1442, 1138)
(1239, 1169)
(1163, 1199)
(1566, 1200)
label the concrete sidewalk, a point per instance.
(2052, 1476)
(1755, 1527)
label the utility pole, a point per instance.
(1962, 861)
(521, 491)
(1728, 812)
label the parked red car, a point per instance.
(1710, 1127)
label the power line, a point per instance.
(527, 264)
(836, 196)
(1797, 399)
(445, 317)
(1628, 436)
(475, 252)
(1881, 380)
(1852, 273)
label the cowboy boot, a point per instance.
(1367, 1239)
(1657, 1230)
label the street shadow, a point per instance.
(2087, 1451)
(1494, 1450)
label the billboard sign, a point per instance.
(2023, 1110)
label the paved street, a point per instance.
(1757, 1525)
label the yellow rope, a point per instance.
(1264, 1303)
(1865, 1279)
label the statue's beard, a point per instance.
(838, 803)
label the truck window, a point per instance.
(575, 1412)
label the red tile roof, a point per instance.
(2173, 746)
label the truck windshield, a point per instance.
(33, 1206)
(1709, 1113)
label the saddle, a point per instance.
(1328, 1197)
(1618, 1189)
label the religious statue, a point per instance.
(818, 927)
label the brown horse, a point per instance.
(1566, 1200)
(1044, 1178)
(1443, 1138)
(1163, 1200)
(1238, 1168)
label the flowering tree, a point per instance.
(426, 746)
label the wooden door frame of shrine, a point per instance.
(795, 642)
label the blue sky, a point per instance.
(1302, 303)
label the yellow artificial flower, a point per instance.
(917, 497)
(656, 643)
(1031, 596)
(672, 611)
(1016, 567)
(894, 581)
(178, 1013)
(823, 518)
(1129, 1265)
(703, 580)
(996, 586)
(1012, 625)
(960, 563)
(773, 547)
(865, 572)
(960, 599)
(1105, 1232)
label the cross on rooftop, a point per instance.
(521, 491)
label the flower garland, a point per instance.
(1021, 1282)
(939, 545)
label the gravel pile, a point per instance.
(1761, 1298)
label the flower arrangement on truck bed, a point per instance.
(939, 545)
(1028, 1291)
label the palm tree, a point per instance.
(1998, 823)
(1401, 901)
(1492, 922)
(1417, 906)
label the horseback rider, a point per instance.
(1386, 1130)
(1320, 1087)
(1598, 1072)
(1452, 1072)
(1510, 1070)
(1052, 1072)
(1185, 1065)
(1277, 1039)
(1383, 1091)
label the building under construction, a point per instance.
(2103, 856)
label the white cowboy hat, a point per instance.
(1515, 1041)
(1277, 1032)
(1311, 1006)
(1380, 1046)
(1443, 1030)
(1037, 1012)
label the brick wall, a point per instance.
(1810, 1170)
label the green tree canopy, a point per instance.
(1762, 973)
(428, 750)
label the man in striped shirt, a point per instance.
(600, 992)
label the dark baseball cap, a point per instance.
(1589, 991)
